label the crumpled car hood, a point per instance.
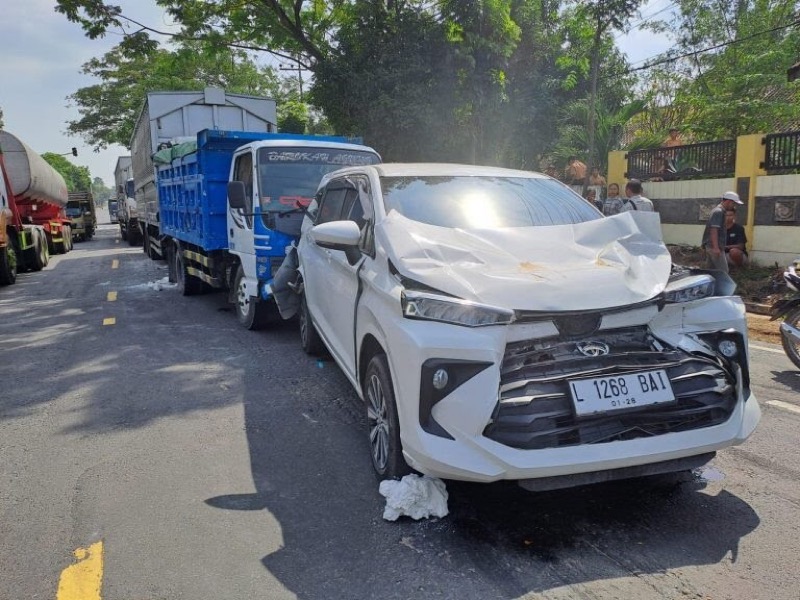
(610, 262)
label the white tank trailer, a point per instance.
(32, 179)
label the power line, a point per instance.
(645, 20)
(710, 48)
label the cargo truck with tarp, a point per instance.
(33, 222)
(127, 210)
(171, 118)
(83, 214)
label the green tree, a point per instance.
(593, 20)
(100, 192)
(739, 86)
(2, 123)
(108, 109)
(78, 178)
(609, 128)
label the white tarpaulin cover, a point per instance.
(608, 262)
(418, 497)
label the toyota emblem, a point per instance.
(593, 349)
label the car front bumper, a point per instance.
(451, 437)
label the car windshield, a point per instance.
(288, 176)
(485, 202)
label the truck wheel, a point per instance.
(45, 252)
(67, 239)
(189, 285)
(39, 253)
(8, 266)
(383, 424)
(250, 313)
(309, 338)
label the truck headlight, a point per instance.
(687, 289)
(431, 307)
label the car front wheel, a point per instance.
(382, 421)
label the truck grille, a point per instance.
(535, 409)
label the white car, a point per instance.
(498, 327)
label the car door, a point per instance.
(343, 278)
(316, 261)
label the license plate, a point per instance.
(620, 392)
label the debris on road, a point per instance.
(414, 496)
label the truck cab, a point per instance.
(81, 212)
(280, 178)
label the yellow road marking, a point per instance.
(112, 296)
(115, 264)
(83, 580)
(109, 321)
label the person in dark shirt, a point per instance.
(735, 240)
(714, 235)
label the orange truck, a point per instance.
(33, 222)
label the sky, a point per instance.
(41, 54)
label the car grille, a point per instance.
(535, 409)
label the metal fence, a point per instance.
(706, 160)
(783, 152)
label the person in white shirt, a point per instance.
(633, 192)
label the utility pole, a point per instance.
(299, 68)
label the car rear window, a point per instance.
(485, 202)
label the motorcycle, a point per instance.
(788, 309)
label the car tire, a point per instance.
(189, 285)
(383, 425)
(309, 337)
(250, 312)
(8, 266)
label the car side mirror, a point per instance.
(339, 235)
(236, 194)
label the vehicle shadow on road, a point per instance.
(311, 470)
(790, 379)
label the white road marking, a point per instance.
(784, 405)
(765, 349)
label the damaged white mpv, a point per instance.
(498, 327)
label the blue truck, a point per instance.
(232, 204)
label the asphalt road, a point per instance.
(213, 462)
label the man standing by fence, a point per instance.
(715, 233)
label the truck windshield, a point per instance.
(290, 176)
(73, 211)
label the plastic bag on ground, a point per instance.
(414, 496)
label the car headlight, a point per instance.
(687, 289)
(430, 307)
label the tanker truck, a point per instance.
(33, 221)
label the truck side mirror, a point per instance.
(236, 194)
